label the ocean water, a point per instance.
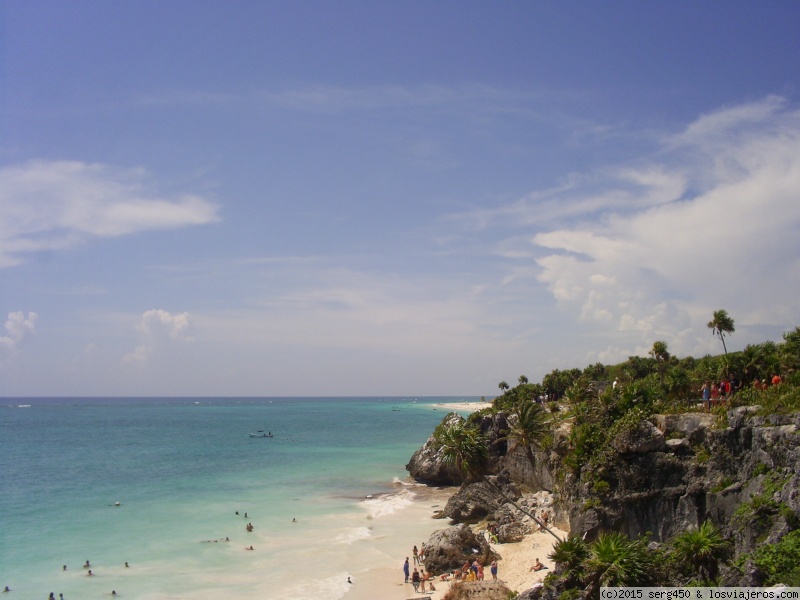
(327, 495)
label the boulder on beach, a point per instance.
(448, 549)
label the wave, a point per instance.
(354, 535)
(406, 483)
(388, 504)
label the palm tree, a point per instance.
(703, 547)
(527, 426)
(660, 353)
(720, 325)
(523, 380)
(503, 386)
(466, 449)
(617, 561)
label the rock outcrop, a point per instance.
(428, 466)
(663, 475)
(449, 549)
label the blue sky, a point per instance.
(388, 198)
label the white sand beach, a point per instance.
(514, 568)
(462, 406)
(414, 525)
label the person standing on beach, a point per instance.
(494, 569)
(415, 580)
(406, 569)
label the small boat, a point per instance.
(260, 433)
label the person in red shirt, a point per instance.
(776, 379)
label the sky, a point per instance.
(241, 198)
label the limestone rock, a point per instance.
(428, 466)
(450, 548)
(645, 438)
(473, 502)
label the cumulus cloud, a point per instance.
(159, 329)
(138, 355)
(18, 328)
(54, 205)
(715, 225)
(160, 322)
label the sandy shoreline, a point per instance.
(414, 525)
(463, 406)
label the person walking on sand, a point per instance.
(415, 580)
(406, 569)
(494, 570)
(415, 552)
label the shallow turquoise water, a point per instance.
(180, 469)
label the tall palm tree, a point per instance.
(503, 386)
(720, 325)
(523, 379)
(660, 352)
(466, 449)
(702, 547)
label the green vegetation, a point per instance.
(606, 403)
(702, 548)
(602, 411)
(611, 560)
(780, 562)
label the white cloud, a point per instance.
(54, 205)
(159, 330)
(160, 322)
(18, 328)
(139, 355)
(727, 237)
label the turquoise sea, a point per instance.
(316, 493)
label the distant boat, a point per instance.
(395, 409)
(260, 433)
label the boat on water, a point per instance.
(260, 433)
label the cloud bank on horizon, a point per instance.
(384, 238)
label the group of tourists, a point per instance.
(714, 393)
(420, 579)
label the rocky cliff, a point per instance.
(663, 475)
